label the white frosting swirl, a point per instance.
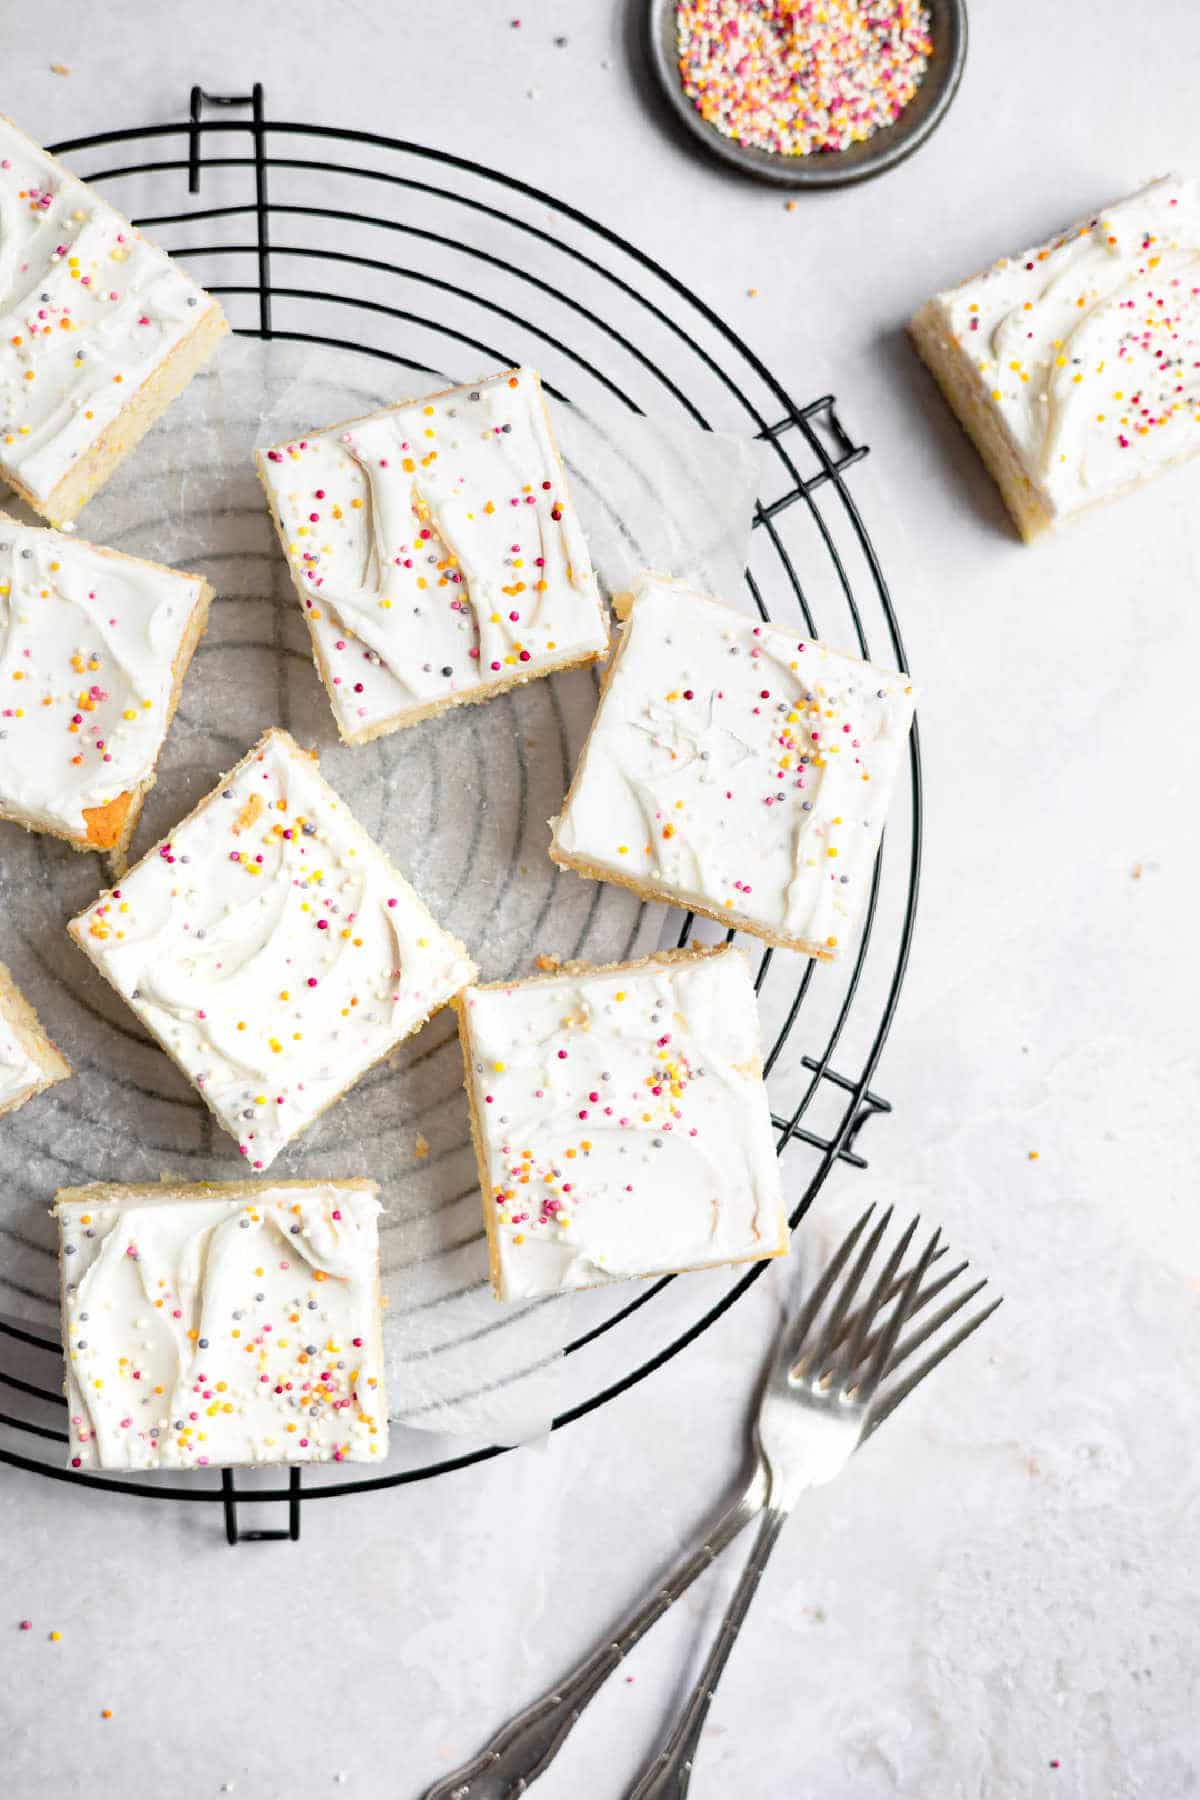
(435, 550)
(88, 310)
(204, 1327)
(624, 1123)
(19, 1072)
(739, 768)
(272, 949)
(88, 641)
(1090, 345)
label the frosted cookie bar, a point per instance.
(1073, 366)
(621, 1123)
(99, 330)
(271, 948)
(435, 552)
(738, 770)
(222, 1324)
(94, 647)
(29, 1062)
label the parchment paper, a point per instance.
(461, 804)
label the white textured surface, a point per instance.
(1009, 1576)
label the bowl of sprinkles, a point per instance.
(809, 93)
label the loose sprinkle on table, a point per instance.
(794, 76)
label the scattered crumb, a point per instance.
(422, 1144)
(549, 963)
(605, 63)
(59, 69)
(533, 93)
(560, 43)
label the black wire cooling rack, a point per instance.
(623, 326)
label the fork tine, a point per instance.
(908, 1345)
(884, 1287)
(882, 1354)
(887, 1406)
(831, 1332)
(793, 1340)
(929, 1292)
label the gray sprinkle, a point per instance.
(154, 1431)
(844, 880)
(83, 1318)
(247, 1112)
(191, 300)
(295, 1230)
(260, 1296)
(426, 667)
(881, 693)
(239, 1314)
(475, 395)
(245, 1224)
(201, 933)
(202, 1343)
(178, 1426)
(658, 1143)
(26, 554)
(806, 805)
(43, 296)
(705, 755)
(81, 1343)
(227, 794)
(506, 428)
(310, 1349)
(309, 830)
(312, 1306)
(447, 671)
(68, 1249)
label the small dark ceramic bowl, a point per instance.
(826, 168)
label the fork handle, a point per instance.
(525, 1747)
(670, 1773)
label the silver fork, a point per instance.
(831, 1384)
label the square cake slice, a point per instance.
(94, 646)
(99, 330)
(271, 948)
(225, 1324)
(435, 552)
(1073, 366)
(736, 769)
(621, 1122)
(29, 1062)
